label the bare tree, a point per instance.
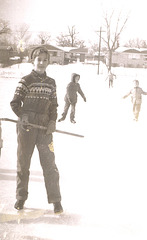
(70, 39)
(4, 33)
(21, 36)
(4, 27)
(63, 41)
(73, 35)
(80, 43)
(44, 37)
(136, 43)
(22, 32)
(114, 25)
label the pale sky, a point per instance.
(56, 15)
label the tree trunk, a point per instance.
(109, 60)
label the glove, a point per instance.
(24, 119)
(51, 127)
(25, 122)
(84, 99)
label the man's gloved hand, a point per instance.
(25, 122)
(24, 119)
(51, 127)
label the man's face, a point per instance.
(40, 63)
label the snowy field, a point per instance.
(102, 176)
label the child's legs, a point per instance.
(66, 107)
(72, 114)
(26, 144)
(136, 109)
(50, 171)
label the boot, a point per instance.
(57, 208)
(61, 119)
(19, 204)
(73, 121)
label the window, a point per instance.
(145, 57)
(54, 54)
(58, 54)
(134, 56)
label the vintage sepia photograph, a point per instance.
(73, 120)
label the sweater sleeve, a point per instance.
(125, 96)
(17, 101)
(54, 104)
(69, 91)
(144, 93)
(81, 92)
(53, 110)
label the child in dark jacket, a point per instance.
(71, 97)
(136, 97)
(35, 101)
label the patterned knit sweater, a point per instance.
(36, 95)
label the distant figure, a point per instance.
(71, 97)
(111, 77)
(136, 97)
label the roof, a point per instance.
(74, 49)
(131, 50)
(51, 47)
(67, 49)
(79, 50)
(48, 46)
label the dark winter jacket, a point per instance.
(72, 89)
(36, 97)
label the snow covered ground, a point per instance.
(102, 176)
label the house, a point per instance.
(130, 57)
(56, 54)
(79, 53)
(64, 55)
(68, 55)
(5, 54)
(74, 53)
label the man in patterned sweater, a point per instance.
(35, 101)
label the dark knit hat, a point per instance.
(37, 50)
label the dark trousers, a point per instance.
(27, 140)
(66, 107)
(110, 83)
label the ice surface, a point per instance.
(102, 176)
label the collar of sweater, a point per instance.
(40, 76)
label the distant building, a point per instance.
(5, 54)
(74, 53)
(79, 53)
(64, 55)
(56, 54)
(69, 57)
(130, 57)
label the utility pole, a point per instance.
(99, 51)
